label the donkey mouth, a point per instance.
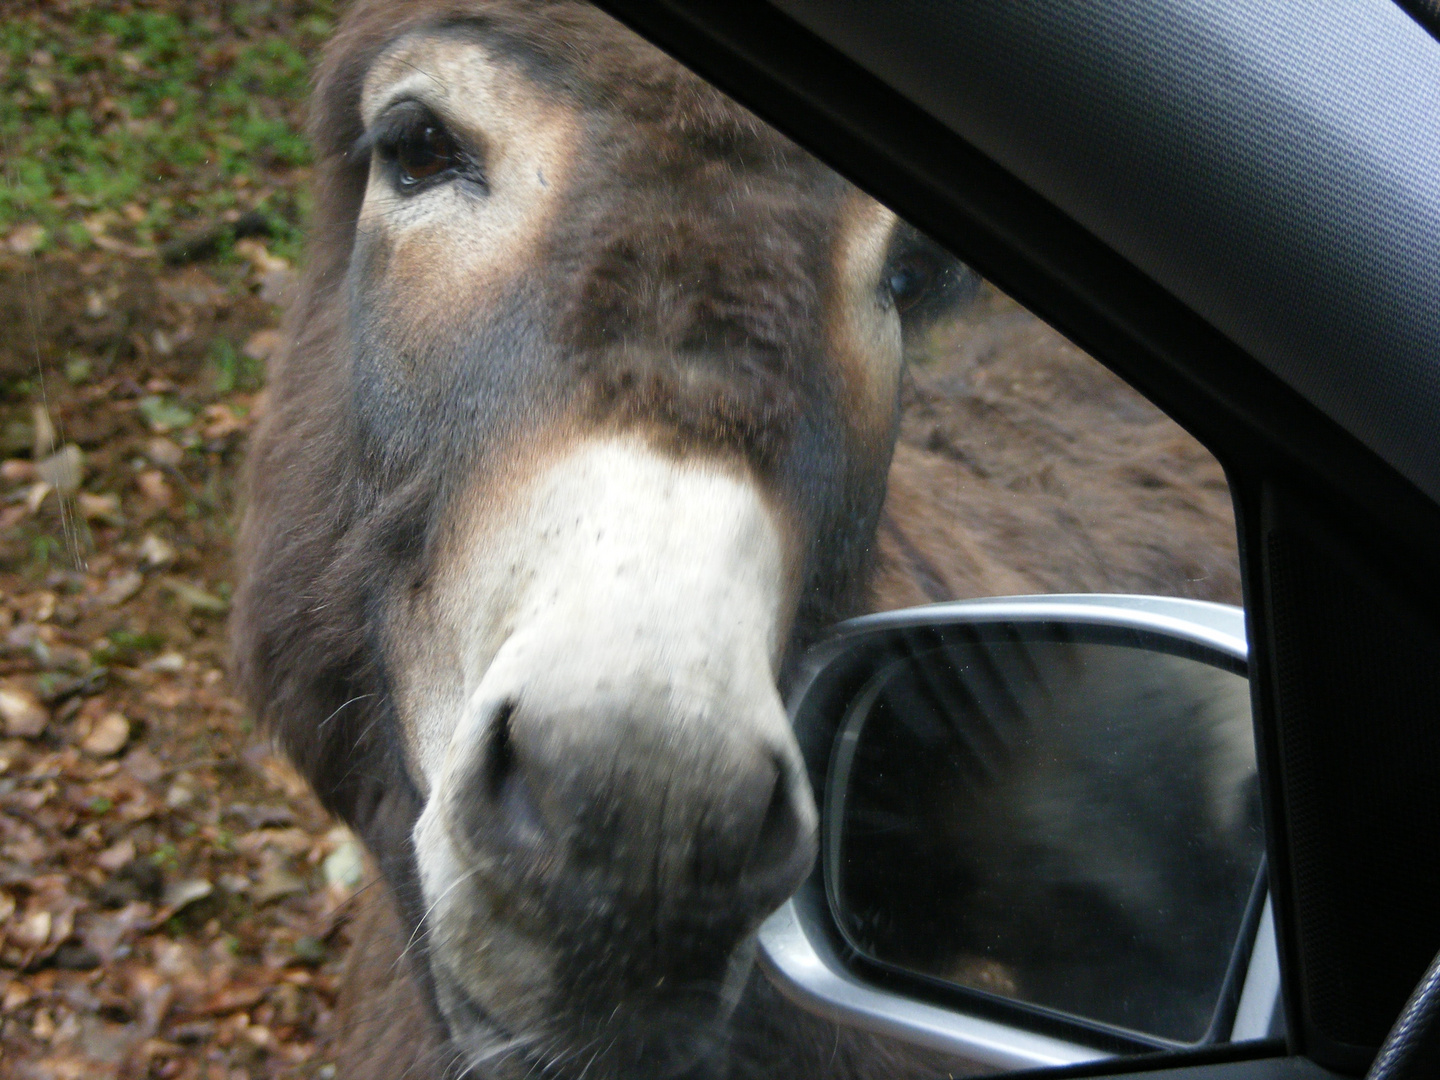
(678, 1031)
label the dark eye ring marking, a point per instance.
(418, 150)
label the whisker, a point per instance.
(360, 697)
(423, 925)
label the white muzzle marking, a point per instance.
(617, 574)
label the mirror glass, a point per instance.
(1070, 824)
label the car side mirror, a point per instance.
(1041, 837)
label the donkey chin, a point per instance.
(616, 799)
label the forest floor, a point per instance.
(172, 899)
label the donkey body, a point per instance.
(581, 433)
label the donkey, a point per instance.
(581, 433)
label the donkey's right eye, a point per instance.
(427, 150)
(414, 142)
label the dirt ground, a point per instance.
(173, 903)
(172, 898)
(1025, 467)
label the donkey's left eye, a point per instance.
(910, 279)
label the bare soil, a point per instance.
(1024, 466)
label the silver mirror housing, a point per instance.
(1015, 657)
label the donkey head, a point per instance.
(585, 423)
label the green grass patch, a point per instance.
(233, 370)
(123, 647)
(163, 414)
(150, 117)
(44, 548)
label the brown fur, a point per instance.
(317, 514)
(1142, 508)
(692, 311)
(382, 1028)
(1023, 466)
(696, 293)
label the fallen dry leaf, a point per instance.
(232, 999)
(277, 879)
(63, 470)
(163, 451)
(33, 931)
(259, 256)
(156, 995)
(155, 487)
(262, 344)
(22, 712)
(345, 866)
(106, 934)
(116, 855)
(292, 841)
(17, 471)
(16, 995)
(99, 507)
(120, 588)
(167, 663)
(36, 495)
(194, 598)
(223, 421)
(156, 552)
(25, 239)
(143, 765)
(184, 893)
(45, 438)
(107, 736)
(11, 516)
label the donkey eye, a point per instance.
(423, 151)
(909, 280)
(416, 145)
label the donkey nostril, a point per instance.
(505, 784)
(500, 754)
(517, 806)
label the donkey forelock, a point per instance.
(583, 425)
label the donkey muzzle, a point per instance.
(676, 812)
(623, 786)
